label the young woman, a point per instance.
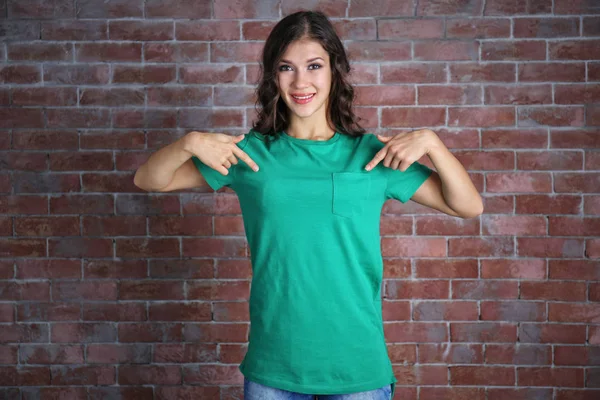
(311, 215)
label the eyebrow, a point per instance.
(307, 61)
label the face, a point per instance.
(304, 70)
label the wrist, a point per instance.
(190, 141)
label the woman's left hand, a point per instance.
(402, 150)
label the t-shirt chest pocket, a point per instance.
(351, 193)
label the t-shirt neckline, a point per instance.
(311, 142)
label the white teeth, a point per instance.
(303, 98)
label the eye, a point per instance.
(287, 66)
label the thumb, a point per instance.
(239, 138)
(384, 139)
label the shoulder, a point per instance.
(369, 142)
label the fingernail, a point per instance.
(256, 169)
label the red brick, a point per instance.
(545, 27)
(379, 51)
(574, 50)
(178, 9)
(140, 30)
(548, 204)
(218, 291)
(404, 289)
(513, 269)
(15, 73)
(207, 30)
(577, 394)
(396, 310)
(478, 375)
(591, 26)
(574, 226)
(256, 9)
(550, 247)
(558, 291)
(481, 116)
(381, 8)
(576, 94)
(176, 52)
(512, 7)
(554, 160)
(458, 95)
(423, 28)
(576, 355)
(551, 333)
(74, 30)
(575, 7)
(413, 73)
(104, 52)
(565, 312)
(446, 50)
(451, 393)
(516, 50)
(518, 225)
(480, 289)
(146, 374)
(443, 310)
(576, 182)
(34, 9)
(177, 311)
(446, 226)
(384, 95)
(112, 9)
(541, 376)
(523, 94)
(456, 7)
(403, 353)
(446, 268)
(513, 311)
(39, 52)
(519, 393)
(478, 28)
(519, 138)
(451, 353)
(553, 116)
(592, 115)
(419, 332)
(480, 247)
(413, 116)
(518, 354)
(552, 72)
(350, 29)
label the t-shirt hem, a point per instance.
(316, 390)
(411, 190)
(207, 175)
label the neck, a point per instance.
(311, 131)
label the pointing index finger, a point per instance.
(245, 158)
(378, 157)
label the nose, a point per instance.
(300, 79)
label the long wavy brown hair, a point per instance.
(273, 112)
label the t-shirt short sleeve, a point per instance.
(214, 178)
(402, 185)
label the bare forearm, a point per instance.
(459, 191)
(157, 172)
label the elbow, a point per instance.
(476, 212)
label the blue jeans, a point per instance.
(256, 391)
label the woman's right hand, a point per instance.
(218, 150)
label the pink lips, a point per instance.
(302, 101)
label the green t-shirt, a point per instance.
(311, 216)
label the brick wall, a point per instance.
(107, 291)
